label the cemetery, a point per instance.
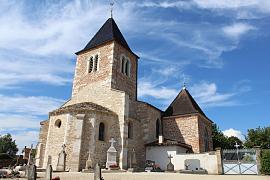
(211, 163)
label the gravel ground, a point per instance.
(152, 176)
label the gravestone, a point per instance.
(97, 173)
(111, 154)
(30, 157)
(49, 170)
(132, 162)
(61, 164)
(32, 172)
(192, 164)
(49, 162)
(170, 166)
(88, 166)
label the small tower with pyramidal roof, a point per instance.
(195, 128)
(107, 60)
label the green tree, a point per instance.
(222, 141)
(258, 137)
(7, 145)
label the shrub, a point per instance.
(265, 161)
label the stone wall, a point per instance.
(184, 129)
(205, 125)
(159, 154)
(90, 142)
(115, 100)
(148, 116)
(55, 139)
(121, 81)
(43, 132)
(136, 142)
(82, 78)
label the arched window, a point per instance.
(123, 62)
(127, 68)
(130, 130)
(125, 65)
(206, 140)
(157, 128)
(90, 65)
(96, 63)
(101, 133)
(58, 123)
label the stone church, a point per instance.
(104, 105)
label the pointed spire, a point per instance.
(183, 104)
(108, 32)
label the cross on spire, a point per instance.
(111, 4)
(184, 81)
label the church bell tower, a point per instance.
(107, 60)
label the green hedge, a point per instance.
(265, 161)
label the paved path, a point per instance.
(153, 176)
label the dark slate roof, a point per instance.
(80, 108)
(108, 32)
(183, 104)
(169, 142)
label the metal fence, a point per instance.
(239, 161)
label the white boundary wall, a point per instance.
(159, 154)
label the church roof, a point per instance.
(169, 142)
(108, 32)
(183, 104)
(81, 108)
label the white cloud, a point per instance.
(237, 29)
(21, 115)
(14, 122)
(146, 88)
(207, 95)
(262, 6)
(167, 4)
(34, 105)
(232, 132)
(18, 69)
(38, 47)
(25, 138)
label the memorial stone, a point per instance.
(111, 154)
(49, 162)
(32, 172)
(49, 171)
(61, 164)
(170, 166)
(192, 164)
(97, 173)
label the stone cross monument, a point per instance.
(111, 154)
(170, 166)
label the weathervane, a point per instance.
(111, 4)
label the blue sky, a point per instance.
(220, 48)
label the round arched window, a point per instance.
(58, 123)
